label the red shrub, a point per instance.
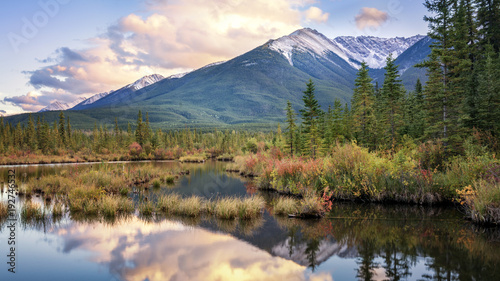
(135, 149)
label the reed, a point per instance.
(108, 206)
(57, 210)
(146, 209)
(4, 211)
(285, 206)
(226, 208)
(156, 183)
(190, 206)
(251, 207)
(32, 211)
(168, 203)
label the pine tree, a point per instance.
(139, 130)
(147, 129)
(69, 132)
(362, 112)
(291, 127)
(310, 115)
(489, 93)
(443, 95)
(62, 130)
(31, 134)
(392, 101)
(488, 18)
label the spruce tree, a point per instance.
(291, 126)
(62, 130)
(362, 113)
(139, 130)
(392, 102)
(310, 115)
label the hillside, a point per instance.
(251, 90)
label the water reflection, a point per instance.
(355, 242)
(169, 250)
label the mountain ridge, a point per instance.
(253, 88)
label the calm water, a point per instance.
(355, 242)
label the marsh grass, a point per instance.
(146, 209)
(156, 183)
(191, 207)
(285, 206)
(108, 206)
(195, 158)
(4, 210)
(482, 201)
(226, 208)
(32, 211)
(57, 210)
(168, 203)
(311, 205)
(251, 207)
(169, 179)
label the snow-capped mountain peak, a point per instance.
(374, 50)
(354, 50)
(58, 106)
(145, 81)
(94, 98)
(305, 40)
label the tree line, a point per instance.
(461, 96)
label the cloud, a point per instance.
(315, 14)
(174, 37)
(370, 17)
(134, 250)
(3, 111)
(28, 102)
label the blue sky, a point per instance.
(66, 49)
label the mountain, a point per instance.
(58, 106)
(145, 81)
(372, 50)
(130, 88)
(92, 99)
(251, 90)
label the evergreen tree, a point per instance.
(31, 134)
(139, 130)
(443, 96)
(62, 130)
(310, 115)
(291, 127)
(362, 112)
(489, 93)
(69, 133)
(392, 101)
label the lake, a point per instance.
(353, 242)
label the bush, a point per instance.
(135, 149)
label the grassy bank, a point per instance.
(350, 172)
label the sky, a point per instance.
(62, 50)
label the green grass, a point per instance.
(156, 183)
(169, 179)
